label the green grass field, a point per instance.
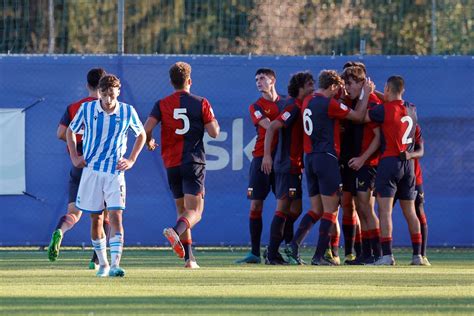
(156, 283)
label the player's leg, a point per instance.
(385, 213)
(99, 243)
(94, 263)
(295, 195)
(420, 213)
(186, 237)
(296, 207)
(276, 231)
(332, 253)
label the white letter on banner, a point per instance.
(238, 148)
(12, 151)
(222, 155)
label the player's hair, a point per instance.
(93, 77)
(355, 63)
(297, 81)
(396, 84)
(109, 81)
(355, 73)
(328, 78)
(180, 72)
(266, 71)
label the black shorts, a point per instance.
(348, 178)
(74, 180)
(260, 184)
(288, 186)
(365, 178)
(395, 176)
(322, 174)
(186, 179)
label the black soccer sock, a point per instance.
(416, 243)
(349, 232)
(256, 226)
(366, 246)
(289, 228)
(386, 245)
(375, 242)
(188, 249)
(307, 222)
(424, 234)
(181, 225)
(276, 234)
(327, 220)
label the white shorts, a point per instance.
(98, 189)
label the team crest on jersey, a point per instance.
(343, 106)
(257, 114)
(249, 192)
(285, 116)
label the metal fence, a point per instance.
(262, 27)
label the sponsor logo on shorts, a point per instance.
(257, 114)
(343, 106)
(249, 192)
(360, 183)
(285, 116)
(292, 192)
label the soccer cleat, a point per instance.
(93, 265)
(191, 264)
(249, 258)
(103, 271)
(349, 258)
(417, 260)
(277, 261)
(116, 272)
(426, 261)
(322, 261)
(294, 256)
(336, 260)
(357, 261)
(174, 241)
(54, 244)
(387, 260)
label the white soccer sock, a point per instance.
(100, 248)
(116, 248)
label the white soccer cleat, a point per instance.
(387, 260)
(417, 260)
(426, 261)
(103, 271)
(191, 264)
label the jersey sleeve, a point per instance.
(135, 124)
(156, 112)
(337, 110)
(207, 112)
(377, 114)
(66, 118)
(256, 113)
(289, 114)
(78, 120)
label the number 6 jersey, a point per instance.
(182, 116)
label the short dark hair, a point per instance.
(180, 72)
(297, 81)
(328, 78)
(355, 63)
(93, 77)
(355, 73)
(109, 81)
(266, 71)
(396, 84)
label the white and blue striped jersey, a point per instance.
(105, 135)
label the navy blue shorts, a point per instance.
(395, 177)
(348, 178)
(260, 184)
(322, 174)
(186, 179)
(365, 178)
(74, 180)
(288, 186)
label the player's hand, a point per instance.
(151, 145)
(125, 164)
(404, 155)
(79, 162)
(368, 87)
(267, 163)
(356, 163)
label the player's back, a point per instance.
(183, 116)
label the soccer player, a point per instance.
(184, 117)
(321, 115)
(366, 142)
(420, 196)
(262, 112)
(66, 222)
(397, 119)
(288, 165)
(106, 123)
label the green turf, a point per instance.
(156, 283)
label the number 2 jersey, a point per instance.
(398, 122)
(182, 116)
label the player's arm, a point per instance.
(379, 95)
(77, 161)
(419, 147)
(127, 163)
(213, 128)
(264, 123)
(357, 162)
(267, 161)
(150, 124)
(61, 132)
(360, 111)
